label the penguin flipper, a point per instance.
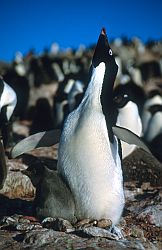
(38, 140)
(129, 137)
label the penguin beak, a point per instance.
(103, 53)
(100, 50)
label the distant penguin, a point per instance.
(60, 109)
(88, 155)
(8, 98)
(20, 85)
(153, 133)
(156, 146)
(8, 101)
(42, 116)
(153, 98)
(129, 99)
(49, 73)
(150, 69)
(154, 127)
(75, 94)
(66, 98)
(53, 198)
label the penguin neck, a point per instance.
(93, 92)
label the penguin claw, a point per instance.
(117, 232)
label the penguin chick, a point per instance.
(88, 158)
(53, 198)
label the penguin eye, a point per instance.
(121, 100)
(110, 52)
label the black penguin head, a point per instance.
(124, 93)
(103, 53)
(35, 172)
(121, 100)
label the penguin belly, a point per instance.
(154, 126)
(86, 163)
(9, 99)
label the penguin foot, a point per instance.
(85, 223)
(103, 223)
(116, 231)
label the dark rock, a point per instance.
(99, 232)
(141, 167)
(152, 215)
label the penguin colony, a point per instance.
(89, 181)
(138, 64)
(87, 130)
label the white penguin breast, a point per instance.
(85, 160)
(151, 132)
(154, 127)
(9, 99)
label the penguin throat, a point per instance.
(94, 88)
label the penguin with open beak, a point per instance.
(88, 155)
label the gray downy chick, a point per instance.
(53, 198)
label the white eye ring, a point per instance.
(110, 52)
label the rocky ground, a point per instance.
(141, 222)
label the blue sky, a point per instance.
(27, 24)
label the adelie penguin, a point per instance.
(89, 151)
(88, 156)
